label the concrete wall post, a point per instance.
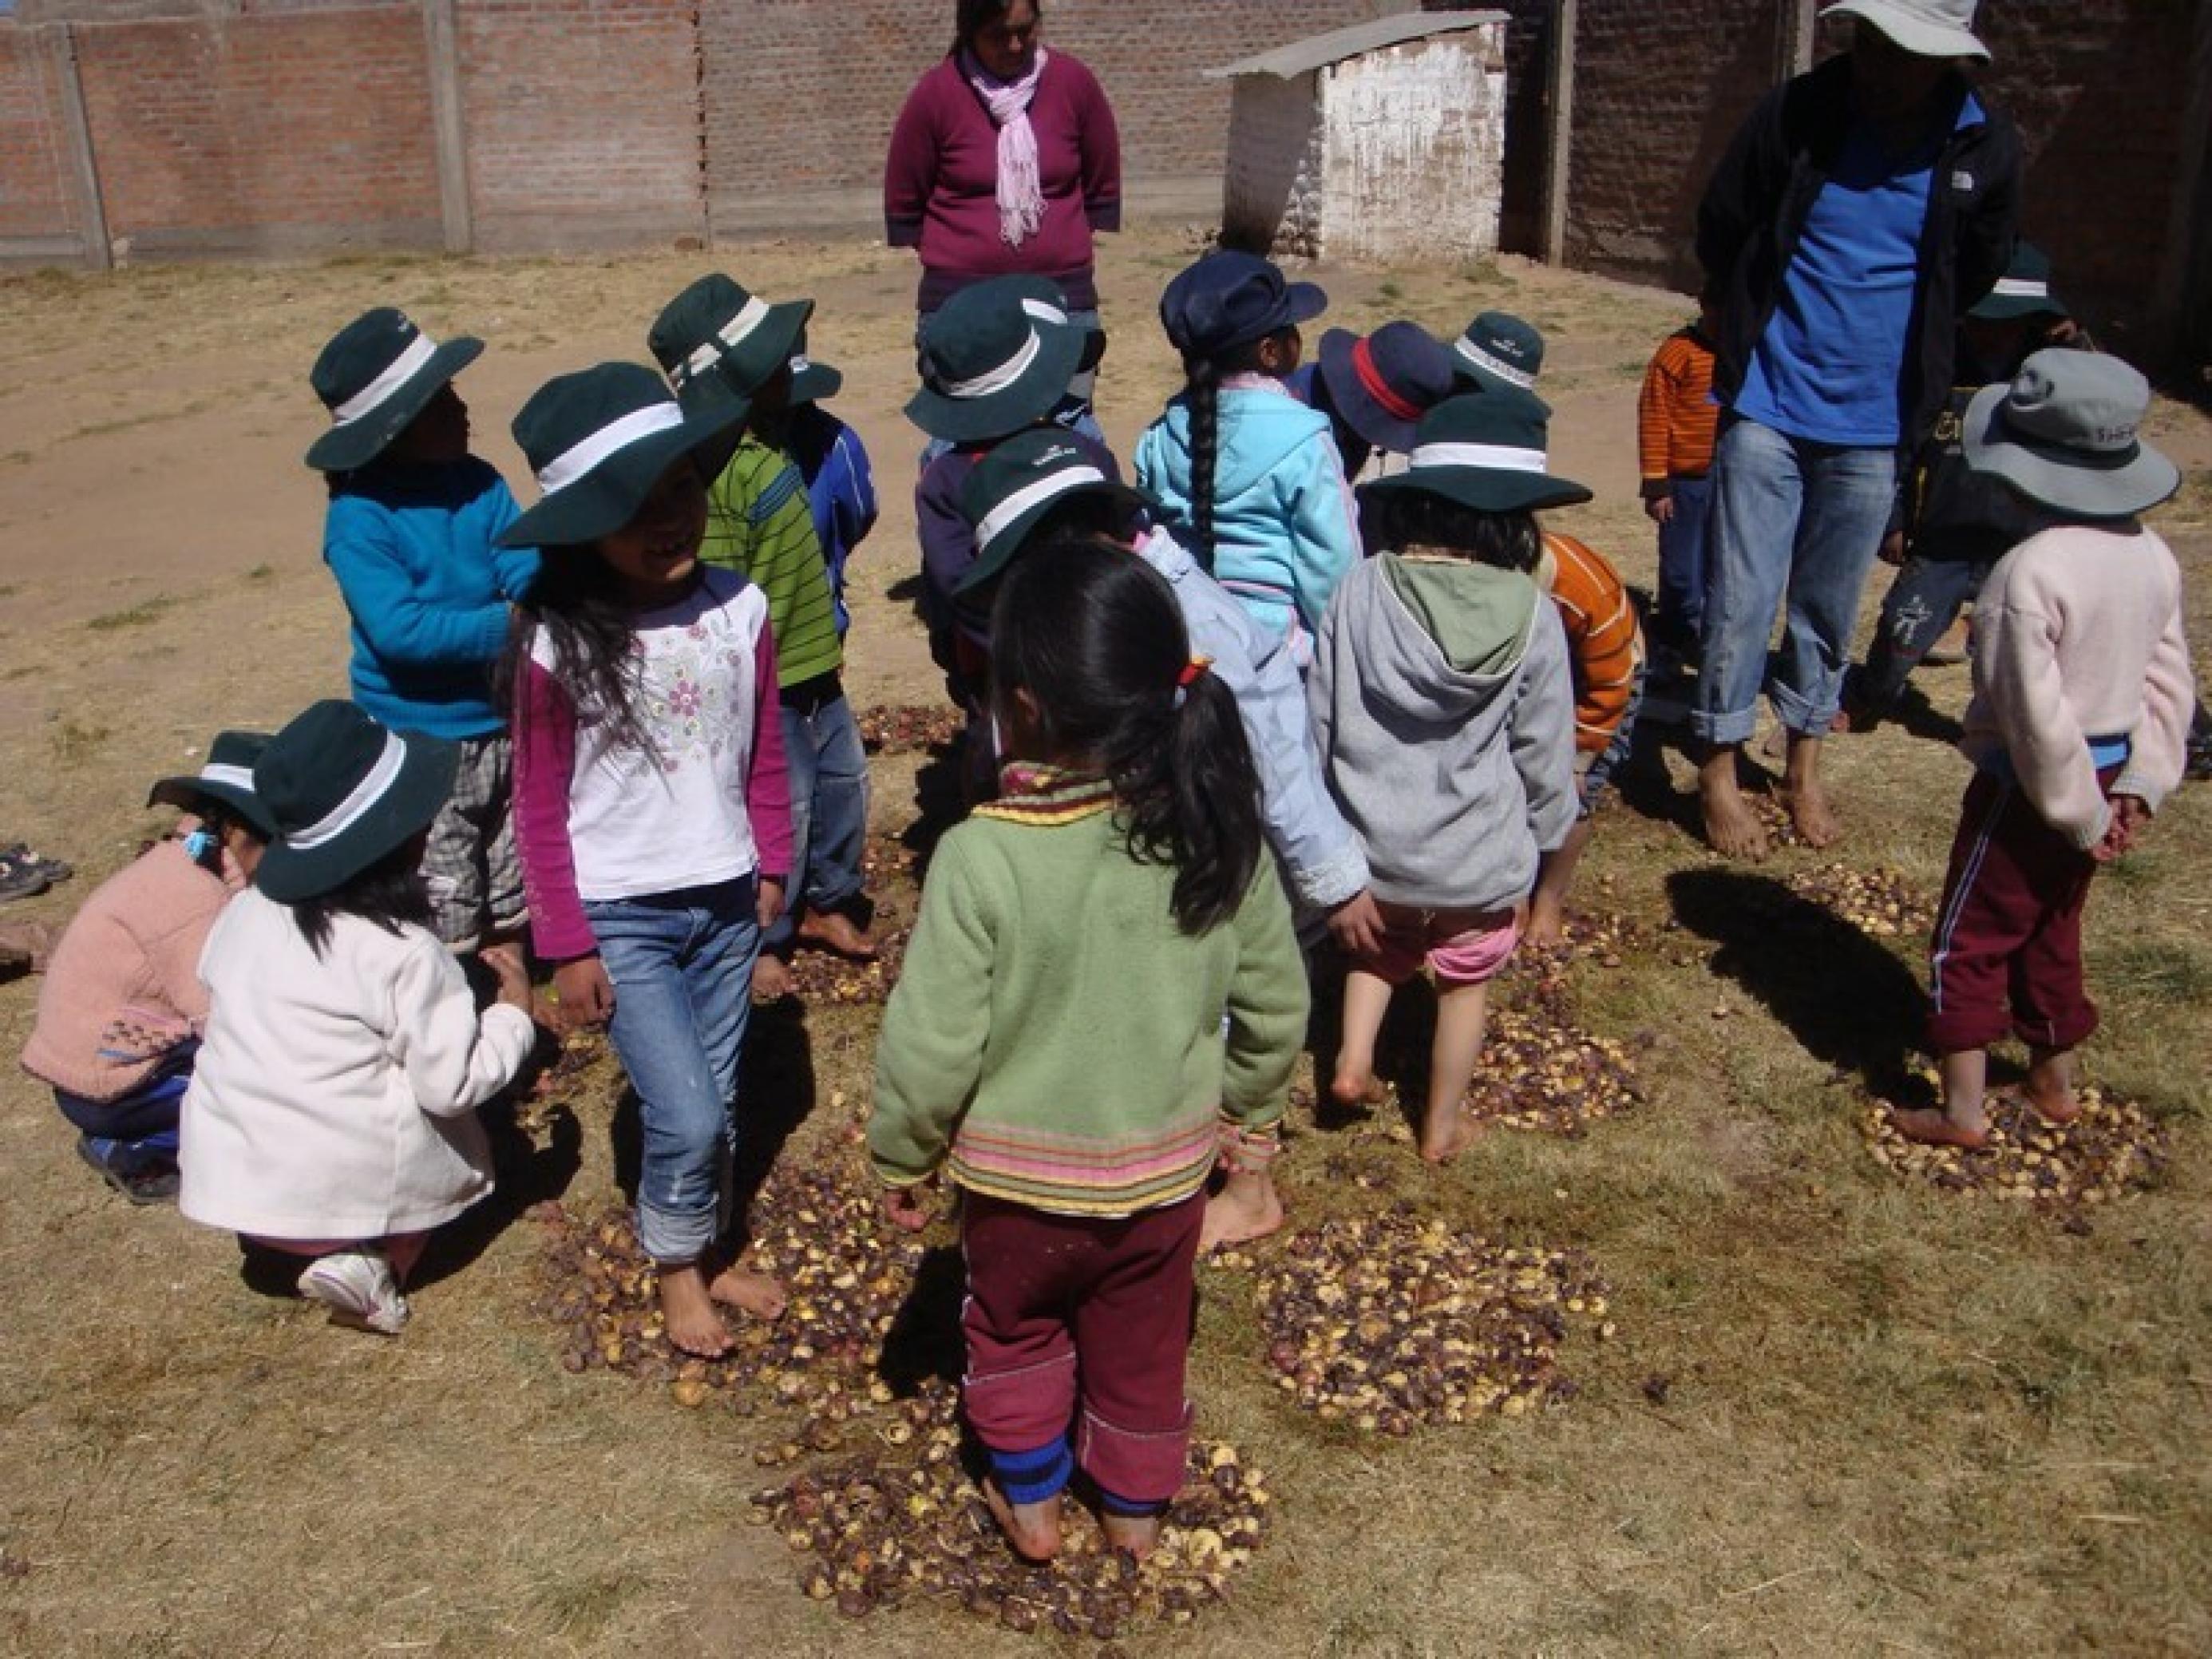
(84, 170)
(442, 46)
(1560, 128)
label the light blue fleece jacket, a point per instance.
(1443, 707)
(414, 553)
(1319, 856)
(1285, 528)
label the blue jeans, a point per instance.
(829, 809)
(1680, 604)
(681, 965)
(1924, 601)
(1795, 523)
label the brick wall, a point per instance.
(582, 120)
(35, 204)
(799, 95)
(263, 133)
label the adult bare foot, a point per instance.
(1446, 1135)
(1135, 1536)
(1032, 1528)
(1732, 830)
(1931, 1128)
(771, 977)
(1810, 813)
(693, 1327)
(1247, 1207)
(836, 932)
(749, 1292)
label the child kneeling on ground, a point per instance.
(2078, 727)
(1057, 1044)
(122, 1009)
(332, 1112)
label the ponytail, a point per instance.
(1094, 636)
(1202, 400)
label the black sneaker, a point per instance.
(150, 1183)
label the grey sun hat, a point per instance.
(2064, 433)
(1926, 28)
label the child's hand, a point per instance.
(768, 901)
(1892, 551)
(1660, 510)
(588, 995)
(1356, 925)
(512, 974)
(906, 1209)
(2129, 817)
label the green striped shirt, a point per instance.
(758, 521)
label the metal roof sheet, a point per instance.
(1319, 50)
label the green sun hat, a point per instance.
(813, 382)
(375, 376)
(2023, 291)
(598, 440)
(1485, 450)
(226, 777)
(342, 791)
(1501, 352)
(996, 357)
(1017, 483)
(720, 343)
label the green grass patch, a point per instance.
(141, 614)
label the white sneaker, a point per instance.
(359, 1290)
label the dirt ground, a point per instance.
(1844, 1413)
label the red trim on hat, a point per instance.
(1372, 381)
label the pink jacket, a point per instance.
(2077, 635)
(123, 990)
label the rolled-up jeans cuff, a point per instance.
(1799, 714)
(676, 1237)
(1733, 726)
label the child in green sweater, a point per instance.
(1057, 1041)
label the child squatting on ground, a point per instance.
(413, 536)
(1057, 1043)
(122, 1009)
(2077, 729)
(650, 796)
(1443, 708)
(332, 1109)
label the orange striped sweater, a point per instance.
(1603, 638)
(1675, 414)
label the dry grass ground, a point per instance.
(1843, 1415)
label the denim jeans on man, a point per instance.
(829, 771)
(1798, 521)
(682, 964)
(1924, 601)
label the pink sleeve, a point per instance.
(910, 168)
(1100, 145)
(768, 784)
(544, 767)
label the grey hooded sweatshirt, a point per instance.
(1444, 709)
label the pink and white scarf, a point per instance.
(1021, 187)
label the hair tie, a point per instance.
(1187, 674)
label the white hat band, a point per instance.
(1497, 366)
(403, 368)
(727, 339)
(999, 379)
(1501, 458)
(1034, 495)
(236, 777)
(2021, 288)
(574, 462)
(349, 811)
(1045, 312)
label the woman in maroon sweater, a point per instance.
(1004, 161)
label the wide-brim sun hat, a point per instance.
(1017, 483)
(813, 382)
(375, 376)
(1382, 383)
(1229, 299)
(2063, 433)
(1500, 351)
(2023, 291)
(1926, 28)
(1485, 450)
(226, 777)
(342, 791)
(719, 344)
(996, 357)
(598, 440)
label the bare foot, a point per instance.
(2057, 1107)
(1547, 927)
(1732, 830)
(1356, 1088)
(1931, 1128)
(1135, 1536)
(749, 1292)
(1032, 1528)
(693, 1327)
(1245, 1209)
(1443, 1141)
(771, 977)
(836, 932)
(1814, 820)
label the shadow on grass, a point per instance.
(1844, 996)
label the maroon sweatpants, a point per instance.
(2007, 954)
(1076, 1322)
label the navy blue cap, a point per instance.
(1228, 300)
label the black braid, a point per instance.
(1203, 399)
